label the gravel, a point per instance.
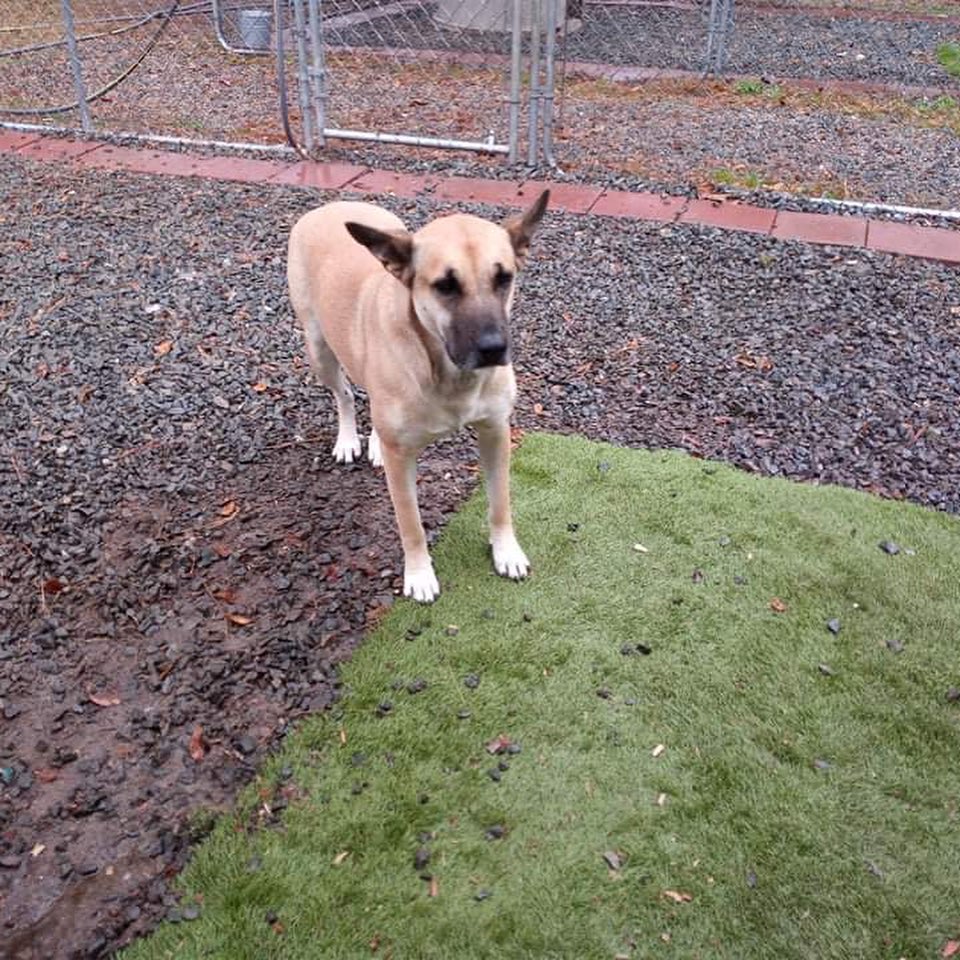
(165, 460)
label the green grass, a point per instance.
(948, 56)
(752, 87)
(781, 855)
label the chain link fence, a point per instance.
(527, 79)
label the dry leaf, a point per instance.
(677, 896)
(226, 594)
(498, 744)
(538, 409)
(238, 619)
(259, 386)
(162, 348)
(950, 949)
(197, 745)
(104, 699)
(657, 750)
(37, 849)
(343, 736)
(229, 508)
(53, 586)
(777, 605)
(340, 857)
(46, 774)
(434, 887)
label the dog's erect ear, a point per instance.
(393, 248)
(522, 228)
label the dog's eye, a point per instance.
(502, 278)
(448, 285)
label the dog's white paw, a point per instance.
(509, 560)
(421, 584)
(374, 452)
(347, 448)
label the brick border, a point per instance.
(903, 239)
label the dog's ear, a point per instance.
(522, 228)
(393, 248)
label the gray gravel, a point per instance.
(164, 467)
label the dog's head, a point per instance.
(461, 273)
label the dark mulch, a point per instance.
(181, 568)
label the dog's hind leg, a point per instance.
(328, 370)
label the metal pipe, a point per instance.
(516, 37)
(303, 81)
(318, 73)
(440, 143)
(726, 15)
(549, 82)
(711, 37)
(75, 66)
(534, 96)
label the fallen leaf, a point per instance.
(226, 594)
(498, 744)
(238, 619)
(434, 887)
(340, 857)
(950, 949)
(46, 775)
(538, 409)
(37, 849)
(53, 586)
(777, 605)
(677, 896)
(197, 746)
(657, 750)
(259, 386)
(229, 508)
(343, 736)
(104, 699)
(162, 348)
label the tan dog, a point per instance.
(428, 339)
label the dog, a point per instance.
(428, 339)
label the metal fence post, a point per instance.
(318, 71)
(516, 38)
(78, 85)
(533, 107)
(549, 82)
(303, 81)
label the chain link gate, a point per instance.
(485, 69)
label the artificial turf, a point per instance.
(705, 767)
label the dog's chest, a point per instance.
(444, 414)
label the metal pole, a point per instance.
(78, 85)
(303, 82)
(727, 14)
(550, 81)
(711, 31)
(515, 43)
(532, 145)
(318, 73)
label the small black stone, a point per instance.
(604, 694)
(482, 894)
(384, 708)
(416, 686)
(488, 615)
(10, 862)
(191, 912)
(825, 669)
(246, 744)
(421, 858)
(271, 916)
(573, 527)
(494, 774)
(751, 879)
(463, 714)
(644, 650)
(514, 748)
(895, 646)
(503, 766)
(888, 546)
(833, 626)
(495, 832)
(822, 764)
(628, 649)
(697, 576)
(471, 681)
(953, 695)
(452, 631)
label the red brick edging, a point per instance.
(905, 239)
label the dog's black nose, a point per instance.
(491, 348)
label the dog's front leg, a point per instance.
(493, 439)
(400, 464)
